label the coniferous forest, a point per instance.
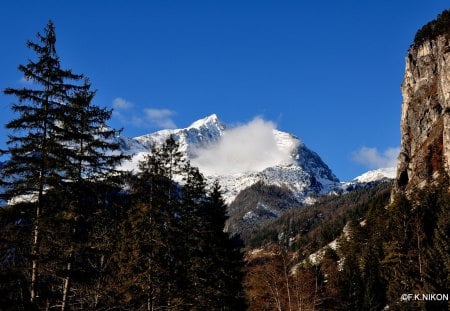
(76, 233)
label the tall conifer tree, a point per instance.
(34, 163)
(89, 160)
(59, 172)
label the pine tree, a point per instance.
(15, 249)
(226, 253)
(351, 283)
(352, 291)
(34, 164)
(437, 263)
(374, 288)
(194, 246)
(89, 162)
(173, 251)
(214, 270)
(91, 154)
(149, 254)
(61, 162)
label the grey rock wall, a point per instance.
(425, 120)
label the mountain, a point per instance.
(199, 134)
(376, 175)
(288, 174)
(300, 170)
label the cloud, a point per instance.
(160, 117)
(121, 104)
(374, 159)
(147, 118)
(249, 147)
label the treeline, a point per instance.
(265, 203)
(437, 27)
(76, 234)
(291, 280)
(313, 226)
(399, 248)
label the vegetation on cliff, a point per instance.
(437, 27)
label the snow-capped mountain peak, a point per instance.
(376, 175)
(254, 152)
(208, 122)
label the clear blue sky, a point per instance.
(327, 71)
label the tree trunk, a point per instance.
(66, 286)
(286, 278)
(99, 280)
(34, 250)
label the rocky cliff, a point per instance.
(425, 120)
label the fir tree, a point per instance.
(61, 162)
(227, 255)
(89, 162)
(215, 266)
(149, 253)
(34, 164)
(351, 283)
(374, 289)
(173, 251)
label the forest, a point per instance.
(77, 234)
(383, 250)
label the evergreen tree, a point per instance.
(34, 163)
(61, 162)
(89, 162)
(227, 255)
(374, 288)
(352, 289)
(215, 267)
(437, 263)
(173, 251)
(91, 154)
(396, 262)
(351, 283)
(194, 246)
(149, 256)
(15, 248)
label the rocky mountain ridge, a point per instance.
(305, 174)
(255, 196)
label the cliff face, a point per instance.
(425, 121)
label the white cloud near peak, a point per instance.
(374, 159)
(246, 148)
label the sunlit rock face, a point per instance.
(425, 120)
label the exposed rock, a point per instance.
(425, 121)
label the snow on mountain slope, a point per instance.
(283, 160)
(370, 177)
(376, 175)
(199, 134)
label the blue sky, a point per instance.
(326, 71)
